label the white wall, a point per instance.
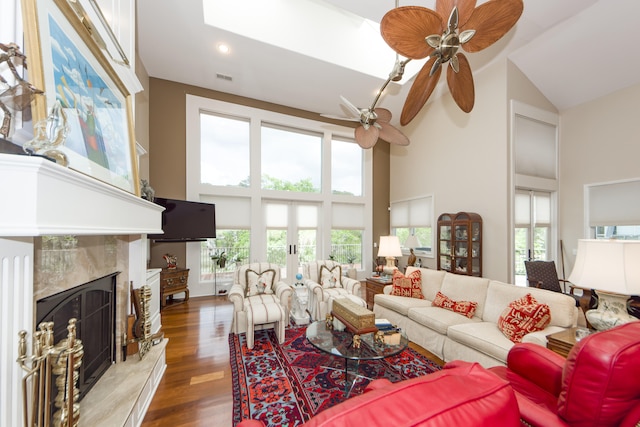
(462, 160)
(600, 142)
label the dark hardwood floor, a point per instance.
(196, 388)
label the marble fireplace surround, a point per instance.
(41, 203)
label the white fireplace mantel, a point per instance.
(39, 197)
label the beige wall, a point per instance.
(599, 143)
(167, 151)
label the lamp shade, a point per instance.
(412, 242)
(608, 265)
(389, 246)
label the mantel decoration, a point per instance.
(15, 95)
(67, 63)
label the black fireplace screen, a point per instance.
(93, 305)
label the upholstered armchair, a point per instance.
(596, 385)
(326, 282)
(255, 285)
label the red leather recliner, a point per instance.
(597, 385)
(461, 394)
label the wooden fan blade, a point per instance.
(420, 91)
(461, 84)
(393, 135)
(367, 138)
(491, 21)
(383, 114)
(405, 28)
(465, 9)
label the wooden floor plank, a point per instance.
(196, 389)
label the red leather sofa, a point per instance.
(462, 394)
(597, 385)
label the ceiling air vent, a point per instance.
(224, 77)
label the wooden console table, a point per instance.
(373, 286)
(173, 281)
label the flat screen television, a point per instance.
(185, 221)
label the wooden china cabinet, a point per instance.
(460, 243)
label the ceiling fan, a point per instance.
(416, 32)
(374, 122)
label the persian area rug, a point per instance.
(286, 384)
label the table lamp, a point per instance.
(612, 269)
(390, 249)
(412, 242)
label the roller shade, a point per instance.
(412, 213)
(231, 212)
(614, 203)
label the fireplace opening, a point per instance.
(93, 305)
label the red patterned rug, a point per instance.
(286, 384)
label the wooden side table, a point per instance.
(173, 281)
(373, 286)
(562, 342)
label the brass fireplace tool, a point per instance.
(47, 360)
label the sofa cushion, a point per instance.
(259, 283)
(465, 288)
(484, 337)
(400, 305)
(407, 286)
(431, 281)
(438, 319)
(330, 277)
(564, 312)
(523, 316)
(466, 308)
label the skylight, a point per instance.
(309, 27)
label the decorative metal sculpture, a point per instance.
(16, 95)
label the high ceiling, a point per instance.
(574, 51)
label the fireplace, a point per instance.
(93, 305)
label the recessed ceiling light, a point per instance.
(223, 48)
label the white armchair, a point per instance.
(257, 286)
(326, 282)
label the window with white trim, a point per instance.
(414, 217)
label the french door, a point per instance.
(533, 229)
(291, 231)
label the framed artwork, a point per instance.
(68, 65)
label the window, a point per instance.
(346, 247)
(346, 168)
(291, 160)
(414, 217)
(532, 237)
(225, 138)
(614, 210)
(287, 190)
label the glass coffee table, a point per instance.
(340, 343)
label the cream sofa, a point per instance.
(452, 336)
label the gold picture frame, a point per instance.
(68, 65)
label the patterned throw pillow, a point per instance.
(466, 308)
(523, 316)
(330, 277)
(260, 283)
(407, 286)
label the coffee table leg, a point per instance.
(348, 386)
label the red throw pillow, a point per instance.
(523, 316)
(407, 286)
(466, 308)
